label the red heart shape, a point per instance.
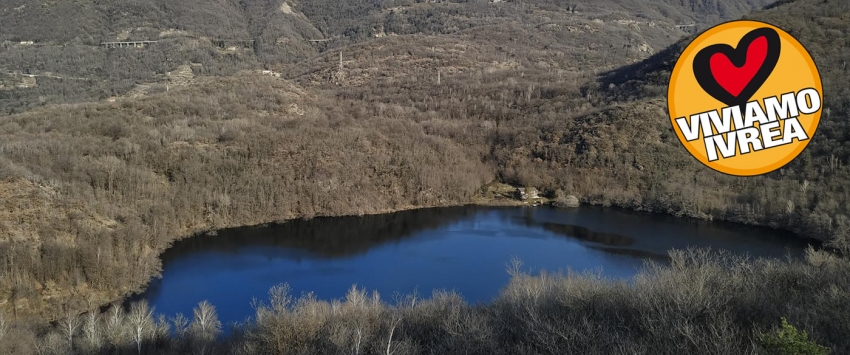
(733, 78)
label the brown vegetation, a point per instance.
(465, 94)
(221, 37)
(120, 181)
(702, 303)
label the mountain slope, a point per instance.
(221, 37)
(808, 196)
(470, 93)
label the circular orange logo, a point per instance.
(745, 98)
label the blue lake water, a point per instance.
(465, 249)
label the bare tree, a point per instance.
(115, 330)
(205, 326)
(161, 330)
(69, 327)
(181, 325)
(180, 339)
(4, 326)
(393, 325)
(91, 330)
(358, 340)
(50, 344)
(141, 323)
(110, 164)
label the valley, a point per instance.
(251, 112)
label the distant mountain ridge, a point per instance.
(92, 21)
(222, 37)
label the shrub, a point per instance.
(787, 340)
(566, 202)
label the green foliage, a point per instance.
(787, 340)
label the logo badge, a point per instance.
(745, 98)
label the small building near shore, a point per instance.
(523, 193)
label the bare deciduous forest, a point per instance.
(247, 112)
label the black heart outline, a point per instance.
(738, 57)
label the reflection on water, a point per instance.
(579, 232)
(327, 237)
(460, 248)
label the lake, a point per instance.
(457, 248)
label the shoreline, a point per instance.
(478, 200)
(478, 203)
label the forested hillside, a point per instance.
(108, 155)
(58, 42)
(807, 196)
